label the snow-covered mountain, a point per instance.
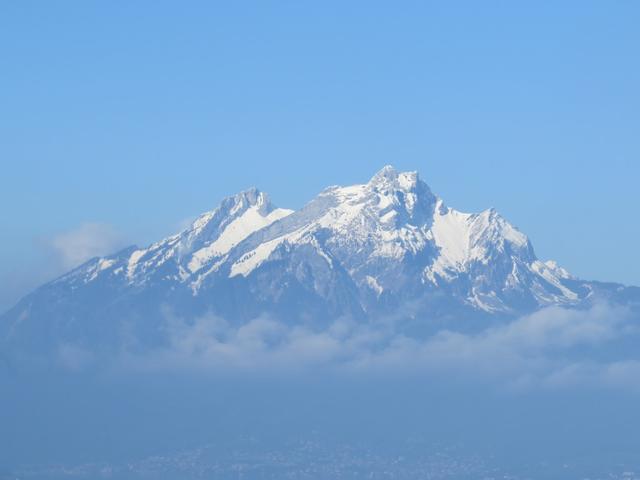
(388, 248)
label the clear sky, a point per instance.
(120, 120)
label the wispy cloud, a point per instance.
(56, 254)
(73, 247)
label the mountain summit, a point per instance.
(388, 248)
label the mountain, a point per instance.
(386, 249)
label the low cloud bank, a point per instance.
(552, 348)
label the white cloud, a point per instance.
(551, 348)
(84, 242)
(56, 255)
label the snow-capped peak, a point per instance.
(389, 177)
(211, 236)
(253, 198)
(388, 250)
(234, 205)
(389, 235)
(210, 224)
(388, 173)
(238, 217)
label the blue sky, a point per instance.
(124, 119)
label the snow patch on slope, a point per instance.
(250, 221)
(451, 234)
(251, 260)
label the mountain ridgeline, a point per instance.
(386, 250)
